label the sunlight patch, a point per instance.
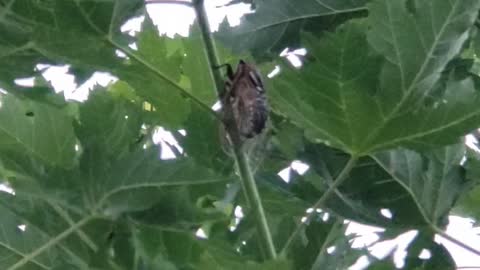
(201, 234)
(217, 106)
(183, 132)
(274, 72)
(22, 227)
(361, 263)
(168, 143)
(386, 213)
(285, 174)
(331, 250)
(425, 254)
(300, 167)
(25, 82)
(5, 187)
(472, 143)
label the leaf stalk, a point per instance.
(325, 196)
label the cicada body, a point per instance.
(245, 93)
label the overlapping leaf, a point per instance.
(40, 130)
(338, 100)
(434, 180)
(183, 250)
(195, 68)
(59, 32)
(170, 107)
(16, 244)
(276, 24)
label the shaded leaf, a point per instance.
(203, 140)
(283, 20)
(41, 130)
(60, 32)
(351, 116)
(196, 68)
(170, 107)
(433, 180)
(108, 123)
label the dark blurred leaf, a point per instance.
(433, 180)
(283, 20)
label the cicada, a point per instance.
(245, 94)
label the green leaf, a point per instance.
(433, 180)
(366, 191)
(132, 183)
(41, 130)
(342, 78)
(108, 123)
(196, 68)
(176, 250)
(204, 141)
(467, 205)
(17, 244)
(170, 107)
(283, 20)
(436, 33)
(60, 32)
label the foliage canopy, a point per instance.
(379, 110)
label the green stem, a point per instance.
(325, 196)
(253, 199)
(250, 189)
(210, 48)
(453, 240)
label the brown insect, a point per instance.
(245, 93)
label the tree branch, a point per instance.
(325, 196)
(246, 176)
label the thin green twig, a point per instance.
(325, 196)
(247, 180)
